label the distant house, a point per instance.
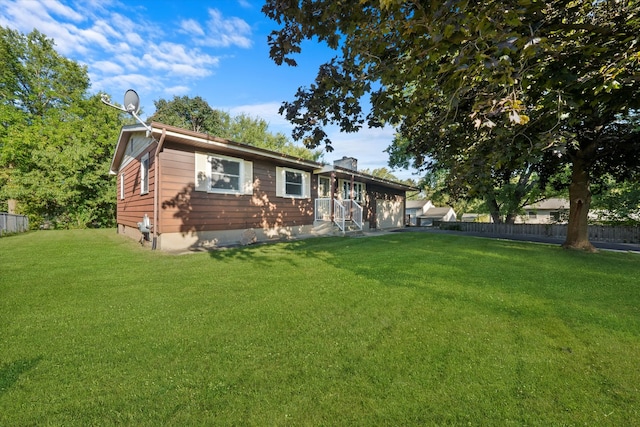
(475, 217)
(180, 189)
(424, 213)
(549, 211)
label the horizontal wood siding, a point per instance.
(185, 210)
(376, 192)
(134, 206)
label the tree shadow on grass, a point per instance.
(10, 372)
(517, 279)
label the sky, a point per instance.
(215, 49)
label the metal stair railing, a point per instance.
(339, 214)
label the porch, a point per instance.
(342, 213)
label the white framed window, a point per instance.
(122, 186)
(144, 174)
(293, 183)
(225, 174)
(324, 187)
(222, 174)
(358, 191)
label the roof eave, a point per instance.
(205, 141)
(121, 146)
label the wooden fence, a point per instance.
(10, 223)
(597, 233)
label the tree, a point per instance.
(55, 140)
(196, 114)
(617, 203)
(190, 113)
(34, 78)
(558, 77)
(383, 173)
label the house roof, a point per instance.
(415, 204)
(435, 212)
(346, 173)
(550, 204)
(160, 132)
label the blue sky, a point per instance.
(214, 49)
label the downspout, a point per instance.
(156, 190)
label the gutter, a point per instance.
(156, 198)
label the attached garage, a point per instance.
(389, 213)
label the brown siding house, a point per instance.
(199, 191)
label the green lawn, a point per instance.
(399, 329)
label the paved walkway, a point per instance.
(610, 246)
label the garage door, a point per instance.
(389, 213)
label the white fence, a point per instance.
(597, 233)
(10, 223)
(323, 209)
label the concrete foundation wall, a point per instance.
(202, 240)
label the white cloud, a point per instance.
(225, 32)
(103, 27)
(121, 28)
(94, 37)
(176, 59)
(176, 90)
(123, 82)
(107, 67)
(60, 9)
(129, 61)
(191, 26)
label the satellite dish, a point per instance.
(131, 101)
(131, 105)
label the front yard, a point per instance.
(400, 329)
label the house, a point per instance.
(421, 213)
(548, 211)
(475, 217)
(179, 189)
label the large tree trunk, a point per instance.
(579, 202)
(511, 218)
(494, 210)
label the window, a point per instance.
(292, 183)
(215, 173)
(225, 174)
(358, 191)
(324, 187)
(122, 186)
(144, 174)
(533, 215)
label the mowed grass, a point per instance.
(398, 329)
